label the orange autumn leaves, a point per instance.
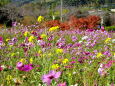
(90, 22)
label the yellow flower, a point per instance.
(65, 61)
(39, 51)
(43, 35)
(31, 60)
(10, 46)
(22, 60)
(59, 60)
(113, 54)
(59, 51)
(49, 54)
(99, 55)
(40, 19)
(26, 33)
(69, 74)
(55, 66)
(7, 40)
(107, 40)
(30, 39)
(9, 77)
(54, 28)
(42, 55)
(12, 54)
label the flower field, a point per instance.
(51, 57)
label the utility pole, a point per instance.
(61, 9)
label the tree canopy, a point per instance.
(4, 2)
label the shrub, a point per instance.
(1, 26)
(89, 22)
(4, 2)
(28, 20)
(8, 14)
(64, 26)
(93, 21)
(110, 28)
(52, 23)
(106, 19)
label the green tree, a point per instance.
(4, 2)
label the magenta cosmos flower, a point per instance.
(47, 78)
(1, 68)
(1, 39)
(20, 66)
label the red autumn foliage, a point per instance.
(89, 22)
(93, 21)
(64, 26)
(52, 23)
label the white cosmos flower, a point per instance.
(113, 40)
(80, 41)
(74, 72)
(85, 37)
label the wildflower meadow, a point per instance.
(48, 56)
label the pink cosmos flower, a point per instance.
(14, 24)
(69, 66)
(72, 62)
(101, 71)
(74, 38)
(47, 78)
(107, 53)
(62, 84)
(60, 44)
(109, 64)
(73, 58)
(112, 84)
(90, 30)
(34, 33)
(1, 68)
(41, 43)
(76, 45)
(81, 59)
(102, 28)
(86, 53)
(68, 46)
(50, 38)
(20, 66)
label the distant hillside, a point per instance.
(22, 2)
(65, 2)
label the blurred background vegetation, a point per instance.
(27, 11)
